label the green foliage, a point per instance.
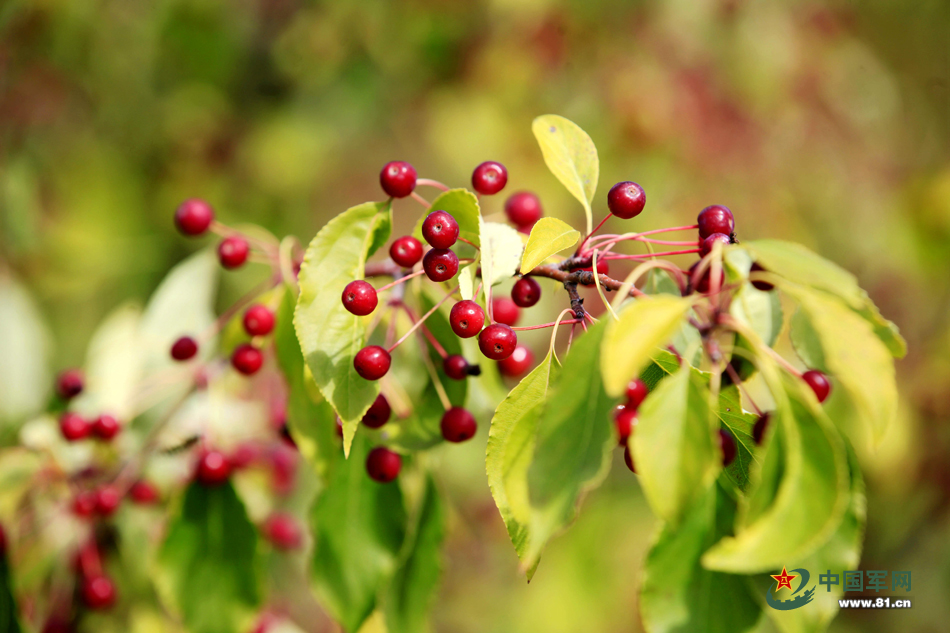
(501, 249)
(548, 236)
(9, 622)
(463, 206)
(571, 156)
(24, 347)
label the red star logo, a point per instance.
(784, 579)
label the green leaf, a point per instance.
(462, 205)
(630, 343)
(805, 341)
(884, 329)
(758, 310)
(208, 560)
(511, 442)
(740, 424)
(677, 594)
(548, 236)
(673, 446)
(359, 527)
(574, 441)
(467, 281)
(501, 248)
(571, 156)
(25, 377)
(8, 606)
(416, 580)
(330, 336)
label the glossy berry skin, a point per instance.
(398, 179)
(108, 499)
(213, 469)
(359, 298)
(526, 292)
(378, 413)
(184, 349)
(440, 264)
(624, 420)
(759, 284)
(455, 367)
(247, 359)
(760, 426)
(69, 384)
(715, 219)
(406, 251)
(626, 200)
(523, 209)
(636, 393)
(105, 427)
(383, 465)
(193, 217)
(517, 364)
(283, 531)
(98, 593)
(489, 178)
(497, 341)
(707, 244)
(818, 383)
(440, 230)
(142, 492)
(372, 362)
(467, 318)
(504, 310)
(727, 444)
(84, 504)
(258, 320)
(74, 427)
(628, 459)
(458, 425)
(232, 252)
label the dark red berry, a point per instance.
(628, 459)
(378, 413)
(625, 419)
(505, 310)
(213, 468)
(526, 292)
(406, 251)
(467, 318)
(497, 341)
(194, 216)
(3, 542)
(359, 297)
(523, 209)
(517, 364)
(636, 393)
(184, 348)
(440, 229)
(758, 283)
(338, 428)
(108, 499)
(143, 492)
(74, 427)
(760, 426)
(383, 465)
(98, 593)
(398, 179)
(707, 244)
(232, 252)
(715, 219)
(258, 320)
(69, 384)
(440, 264)
(703, 285)
(626, 200)
(283, 531)
(456, 367)
(727, 444)
(105, 427)
(247, 359)
(84, 504)
(372, 362)
(818, 383)
(489, 178)
(458, 425)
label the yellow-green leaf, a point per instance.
(463, 206)
(571, 156)
(549, 236)
(501, 248)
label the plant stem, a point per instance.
(525, 328)
(428, 182)
(425, 316)
(589, 235)
(400, 280)
(420, 200)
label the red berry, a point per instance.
(703, 285)
(456, 367)
(626, 200)
(372, 362)
(98, 592)
(523, 209)
(440, 264)
(517, 364)
(636, 392)
(715, 219)
(628, 459)
(84, 504)
(458, 425)
(398, 179)
(232, 252)
(143, 492)
(526, 292)
(406, 251)
(108, 499)
(378, 413)
(105, 427)
(69, 384)
(74, 427)
(489, 178)
(467, 318)
(193, 216)
(818, 383)
(759, 284)
(383, 465)
(497, 341)
(258, 320)
(440, 229)
(505, 310)
(184, 348)
(727, 444)
(625, 419)
(283, 531)
(359, 298)
(3, 542)
(247, 359)
(760, 426)
(213, 468)
(705, 248)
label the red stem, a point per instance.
(428, 182)
(544, 325)
(589, 235)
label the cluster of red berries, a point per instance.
(625, 417)
(75, 427)
(194, 217)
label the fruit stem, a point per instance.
(589, 235)
(422, 320)
(462, 239)
(428, 182)
(524, 328)
(428, 333)
(400, 280)
(652, 255)
(738, 383)
(420, 199)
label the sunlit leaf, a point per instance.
(467, 281)
(548, 236)
(740, 424)
(501, 249)
(806, 342)
(886, 330)
(25, 377)
(462, 205)
(571, 156)
(761, 311)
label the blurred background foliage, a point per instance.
(823, 123)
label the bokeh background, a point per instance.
(823, 123)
